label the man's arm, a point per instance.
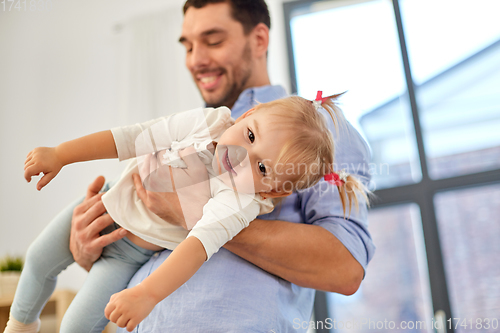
(306, 255)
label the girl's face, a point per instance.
(247, 152)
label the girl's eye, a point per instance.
(251, 136)
(262, 168)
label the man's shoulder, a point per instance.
(250, 97)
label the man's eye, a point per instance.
(251, 136)
(214, 44)
(262, 168)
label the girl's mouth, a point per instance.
(227, 163)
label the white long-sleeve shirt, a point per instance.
(226, 212)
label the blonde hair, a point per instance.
(311, 145)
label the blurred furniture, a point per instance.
(57, 305)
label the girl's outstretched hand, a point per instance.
(42, 160)
(129, 307)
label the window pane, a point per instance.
(396, 286)
(454, 61)
(355, 48)
(469, 228)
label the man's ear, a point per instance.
(261, 39)
(244, 115)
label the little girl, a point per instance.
(267, 153)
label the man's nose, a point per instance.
(198, 57)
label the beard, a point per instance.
(233, 90)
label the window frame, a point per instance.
(422, 193)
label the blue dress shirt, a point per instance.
(228, 293)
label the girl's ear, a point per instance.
(244, 115)
(274, 194)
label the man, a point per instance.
(252, 284)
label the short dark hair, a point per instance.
(248, 12)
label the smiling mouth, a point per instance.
(227, 163)
(209, 80)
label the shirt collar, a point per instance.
(253, 96)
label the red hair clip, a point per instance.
(319, 99)
(337, 179)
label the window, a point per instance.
(397, 289)
(423, 82)
(469, 239)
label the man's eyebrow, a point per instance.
(206, 33)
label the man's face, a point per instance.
(218, 54)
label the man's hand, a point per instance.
(88, 221)
(180, 203)
(129, 307)
(42, 160)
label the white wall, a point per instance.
(59, 79)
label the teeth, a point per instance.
(208, 79)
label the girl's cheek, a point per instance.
(245, 181)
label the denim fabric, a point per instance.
(49, 255)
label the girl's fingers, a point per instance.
(109, 310)
(44, 181)
(30, 172)
(131, 325)
(122, 321)
(28, 159)
(27, 165)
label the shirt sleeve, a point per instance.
(222, 220)
(321, 204)
(158, 134)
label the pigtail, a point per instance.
(331, 105)
(349, 192)
(349, 186)
(311, 150)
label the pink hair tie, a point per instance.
(337, 179)
(319, 99)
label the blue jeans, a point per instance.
(49, 255)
